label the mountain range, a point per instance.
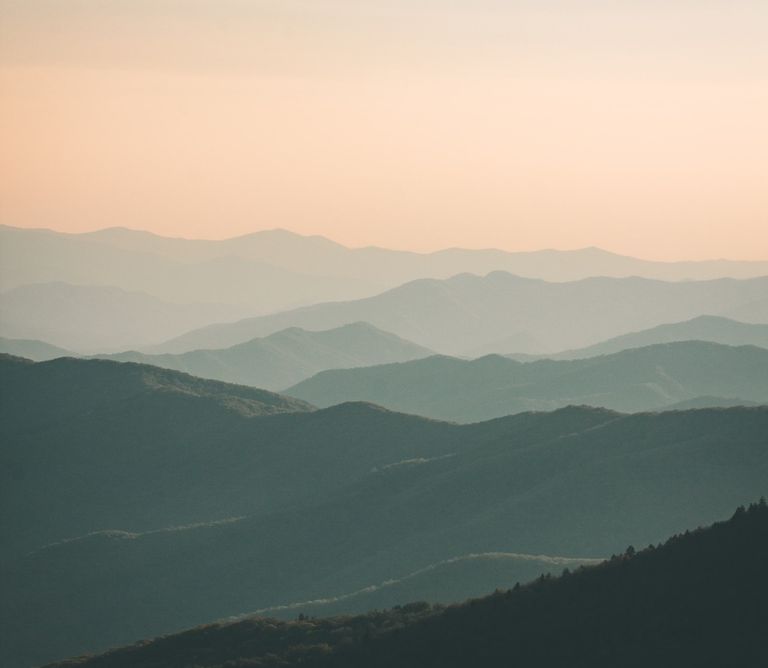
(702, 328)
(38, 255)
(637, 379)
(94, 319)
(696, 600)
(138, 501)
(32, 349)
(501, 312)
(124, 289)
(225, 278)
(289, 356)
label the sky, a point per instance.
(635, 125)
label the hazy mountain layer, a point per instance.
(289, 356)
(698, 600)
(93, 319)
(755, 311)
(313, 504)
(638, 379)
(38, 351)
(501, 312)
(318, 256)
(709, 402)
(252, 285)
(703, 328)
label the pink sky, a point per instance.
(635, 126)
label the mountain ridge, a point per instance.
(578, 481)
(288, 356)
(33, 349)
(98, 318)
(635, 379)
(466, 312)
(715, 329)
(126, 233)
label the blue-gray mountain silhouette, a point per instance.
(465, 313)
(703, 328)
(638, 379)
(289, 356)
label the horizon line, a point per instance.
(328, 239)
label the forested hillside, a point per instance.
(170, 501)
(696, 600)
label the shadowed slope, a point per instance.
(698, 600)
(375, 496)
(446, 581)
(86, 443)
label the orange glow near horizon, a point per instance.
(637, 129)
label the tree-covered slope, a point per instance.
(92, 444)
(697, 600)
(376, 497)
(446, 581)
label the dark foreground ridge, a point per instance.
(698, 600)
(138, 502)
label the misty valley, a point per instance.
(401, 334)
(450, 471)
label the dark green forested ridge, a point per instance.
(92, 444)
(77, 385)
(697, 600)
(185, 509)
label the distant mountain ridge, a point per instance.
(636, 379)
(296, 270)
(227, 278)
(37, 351)
(714, 329)
(317, 255)
(276, 271)
(289, 356)
(93, 319)
(467, 312)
